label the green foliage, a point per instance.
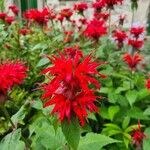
(71, 132)
(12, 140)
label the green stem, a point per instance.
(7, 116)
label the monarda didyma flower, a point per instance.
(68, 89)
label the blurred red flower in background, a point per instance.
(14, 9)
(41, 17)
(80, 7)
(110, 3)
(119, 36)
(132, 61)
(69, 90)
(101, 15)
(9, 19)
(138, 136)
(3, 15)
(148, 84)
(11, 73)
(137, 31)
(66, 13)
(95, 29)
(98, 5)
(136, 43)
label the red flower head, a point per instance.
(120, 37)
(137, 31)
(41, 17)
(9, 19)
(132, 61)
(83, 21)
(12, 73)
(95, 29)
(52, 14)
(69, 90)
(3, 15)
(99, 5)
(110, 3)
(66, 13)
(101, 15)
(138, 136)
(24, 31)
(148, 84)
(137, 44)
(14, 9)
(80, 7)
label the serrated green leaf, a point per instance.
(112, 111)
(95, 141)
(131, 96)
(12, 140)
(137, 113)
(147, 111)
(42, 62)
(125, 122)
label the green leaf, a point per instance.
(147, 111)
(125, 122)
(112, 111)
(146, 142)
(142, 94)
(12, 141)
(131, 96)
(137, 113)
(37, 104)
(44, 136)
(43, 62)
(41, 46)
(71, 131)
(93, 141)
(20, 115)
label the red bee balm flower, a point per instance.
(148, 84)
(9, 19)
(137, 44)
(101, 15)
(41, 17)
(137, 31)
(120, 37)
(110, 3)
(99, 5)
(80, 7)
(69, 90)
(11, 73)
(132, 61)
(14, 9)
(95, 29)
(2, 15)
(66, 13)
(138, 136)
